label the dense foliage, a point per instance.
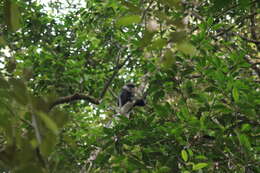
(61, 74)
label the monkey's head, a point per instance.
(130, 87)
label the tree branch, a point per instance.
(249, 40)
(77, 96)
(116, 70)
(232, 7)
(72, 98)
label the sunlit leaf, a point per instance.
(199, 166)
(246, 127)
(128, 20)
(201, 157)
(190, 152)
(235, 94)
(164, 169)
(244, 140)
(184, 155)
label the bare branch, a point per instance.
(108, 83)
(116, 70)
(112, 93)
(249, 40)
(72, 98)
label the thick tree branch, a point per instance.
(72, 98)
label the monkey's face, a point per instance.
(132, 90)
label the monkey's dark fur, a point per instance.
(127, 94)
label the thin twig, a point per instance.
(112, 93)
(253, 65)
(145, 11)
(248, 39)
(108, 83)
(232, 7)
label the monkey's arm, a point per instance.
(124, 97)
(139, 102)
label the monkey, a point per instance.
(127, 94)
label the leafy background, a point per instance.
(61, 74)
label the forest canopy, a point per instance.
(195, 63)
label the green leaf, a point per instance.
(199, 166)
(246, 127)
(159, 43)
(2, 41)
(130, 6)
(190, 152)
(178, 36)
(210, 21)
(48, 144)
(11, 65)
(19, 91)
(244, 3)
(146, 39)
(164, 169)
(201, 157)
(171, 3)
(3, 83)
(188, 87)
(244, 140)
(187, 48)
(168, 59)
(184, 155)
(49, 123)
(128, 20)
(136, 162)
(235, 94)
